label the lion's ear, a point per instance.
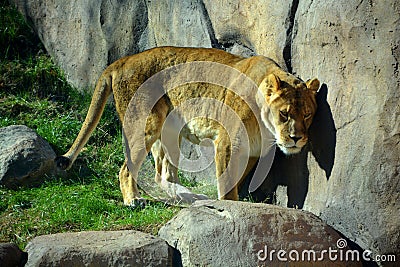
(313, 85)
(270, 84)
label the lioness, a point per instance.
(285, 104)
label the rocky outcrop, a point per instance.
(25, 158)
(350, 176)
(113, 248)
(209, 233)
(227, 233)
(354, 48)
(104, 31)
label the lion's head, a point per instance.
(287, 109)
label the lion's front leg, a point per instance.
(227, 188)
(165, 170)
(232, 164)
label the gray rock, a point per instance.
(260, 26)
(113, 248)
(186, 24)
(228, 233)
(25, 158)
(354, 48)
(105, 31)
(102, 32)
(11, 255)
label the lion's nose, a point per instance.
(295, 138)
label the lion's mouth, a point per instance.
(288, 150)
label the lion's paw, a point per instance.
(137, 203)
(62, 163)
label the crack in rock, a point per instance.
(287, 50)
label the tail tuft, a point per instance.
(62, 163)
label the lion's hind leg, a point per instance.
(167, 176)
(136, 154)
(129, 173)
(129, 189)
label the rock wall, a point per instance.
(353, 47)
(83, 37)
(350, 178)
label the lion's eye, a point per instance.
(283, 114)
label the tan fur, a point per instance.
(286, 105)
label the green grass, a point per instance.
(198, 187)
(34, 92)
(59, 207)
(17, 39)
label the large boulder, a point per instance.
(228, 233)
(104, 31)
(83, 37)
(354, 48)
(25, 157)
(259, 26)
(112, 248)
(350, 177)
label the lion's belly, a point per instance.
(199, 130)
(210, 111)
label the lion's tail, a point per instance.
(100, 95)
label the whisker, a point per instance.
(270, 143)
